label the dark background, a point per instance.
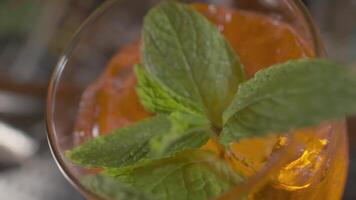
(32, 35)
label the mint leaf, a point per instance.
(187, 54)
(188, 131)
(290, 95)
(108, 187)
(152, 138)
(190, 175)
(123, 147)
(157, 98)
(183, 121)
(178, 141)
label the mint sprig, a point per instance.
(187, 131)
(190, 175)
(187, 54)
(123, 147)
(153, 138)
(107, 187)
(156, 98)
(193, 80)
(291, 95)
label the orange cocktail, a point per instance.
(315, 170)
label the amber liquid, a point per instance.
(316, 171)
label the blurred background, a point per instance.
(33, 33)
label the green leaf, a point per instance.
(183, 121)
(188, 131)
(153, 138)
(190, 175)
(288, 96)
(186, 53)
(108, 187)
(155, 97)
(123, 147)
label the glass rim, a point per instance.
(318, 48)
